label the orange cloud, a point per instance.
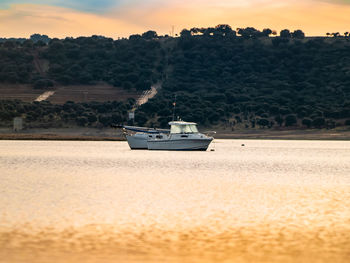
(25, 19)
(314, 17)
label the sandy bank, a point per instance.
(77, 134)
(108, 134)
(312, 134)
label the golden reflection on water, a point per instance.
(270, 201)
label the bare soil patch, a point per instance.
(83, 93)
(22, 92)
(78, 93)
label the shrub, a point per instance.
(279, 119)
(307, 122)
(82, 121)
(290, 120)
(263, 122)
(318, 122)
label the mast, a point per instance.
(174, 104)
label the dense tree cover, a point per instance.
(12, 39)
(16, 63)
(220, 76)
(42, 38)
(281, 81)
(134, 63)
(44, 114)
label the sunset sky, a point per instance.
(120, 18)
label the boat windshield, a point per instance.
(188, 128)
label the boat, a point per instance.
(138, 141)
(183, 136)
(137, 136)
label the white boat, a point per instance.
(138, 140)
(138, 136)
(183, 136)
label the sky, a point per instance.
(121, 18)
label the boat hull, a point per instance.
(179, 144)
(137, 142)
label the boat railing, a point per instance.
(209, 133)
(141, 129)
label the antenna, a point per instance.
(174, 104)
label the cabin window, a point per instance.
(189, 128)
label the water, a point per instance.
(267, 201)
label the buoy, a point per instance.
(242, 144)
(212, 150)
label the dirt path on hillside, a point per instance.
(148, 94)
(45, 95)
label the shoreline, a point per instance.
(88, 134)
(321, 134)
(62, 134)
(58, 137)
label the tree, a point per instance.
(290, 120)
(277, 41)
(196, 30)
(307, 122)
(298, 34)
(40, 44)
(82, 121)
(56, 45)
(249, 32)
(150, 34)
(140, 118)
(37, 37)
(263, 122)
(185, 33)
(285, 33)
(267, 32)
(135, 37)
(208, 31)
(92, 118)
(318, 122)
(279, 119)
(28, 44)
(223, 29)
(9, 44)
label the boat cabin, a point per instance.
(180, 127)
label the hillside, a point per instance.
(219, 78)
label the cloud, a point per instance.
(93, 6)
(125, 17)
(315, 18)
(343, 2)
(24, 20)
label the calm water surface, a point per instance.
(267, 201)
